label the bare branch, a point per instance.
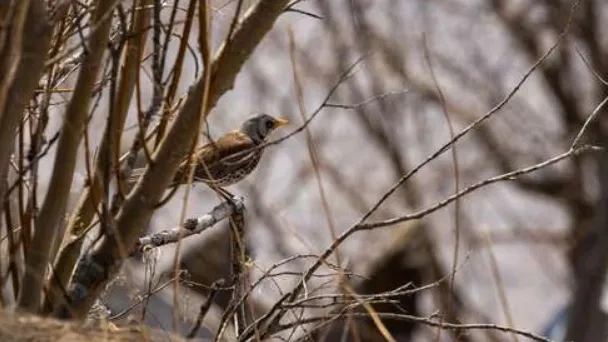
(589, 120)
(192, 226)
(53, 209)
(141, 204)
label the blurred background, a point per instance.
(520, 242)
(531, 252)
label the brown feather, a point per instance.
(229, 159)
(223, 162)
(230, 143)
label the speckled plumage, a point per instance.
(226, 161)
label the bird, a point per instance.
(229, 159)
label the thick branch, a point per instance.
(192, 226)
(53, 209)
(30, 59)
(89, 200)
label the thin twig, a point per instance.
(590, 119)
(500, 285)
(506, 176)
(215, 287)
(430, 321)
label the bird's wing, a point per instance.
(231, 143)
(220, 155)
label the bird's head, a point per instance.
(259, 126)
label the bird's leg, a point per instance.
(225, 194)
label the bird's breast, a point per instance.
(230, 169)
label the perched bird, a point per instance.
(230, 158)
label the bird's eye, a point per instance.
(269, 124)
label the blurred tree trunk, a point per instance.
(588, 322)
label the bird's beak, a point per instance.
(281, 122)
